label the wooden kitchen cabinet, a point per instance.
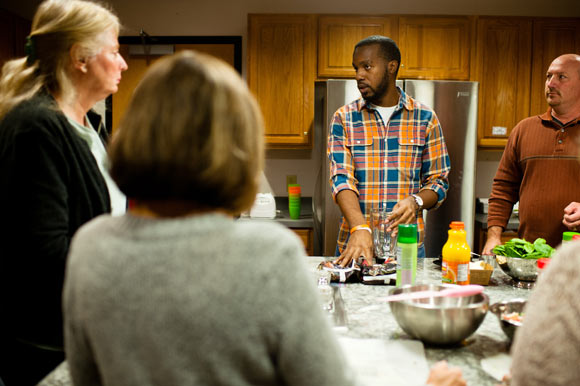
(416, 36)
(306, 235)
(337, 36)
(480, 237)
(508, 56)
(503, 69)
(281, 75)
(551, 38)
(435, 47)
(13, 32)
(225, 48)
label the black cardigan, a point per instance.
(50, 185)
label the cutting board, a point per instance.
(386, 362)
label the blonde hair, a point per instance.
(193, 132)
(56, 27)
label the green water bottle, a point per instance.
(406, 254)
(568, 236)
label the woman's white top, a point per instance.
(91, 137)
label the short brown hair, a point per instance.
(192, 132)
(389, 49)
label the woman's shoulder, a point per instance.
(38, 112)
(94, 226)
(265, 230)
(267, 238)
(567, 259)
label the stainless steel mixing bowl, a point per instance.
(518, 268)
(440, 320)
(507, 307)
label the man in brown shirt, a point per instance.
(539, 167)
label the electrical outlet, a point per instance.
(291, 179)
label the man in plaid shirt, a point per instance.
(386, 152)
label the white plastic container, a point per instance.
(264, 206)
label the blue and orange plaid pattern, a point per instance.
(383, 164)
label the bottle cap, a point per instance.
(457, 225)
(567, 236)
(543, 262)
(576, 237)
(407, 233)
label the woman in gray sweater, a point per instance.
(546, 349)
(176, 292)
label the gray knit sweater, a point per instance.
(546, 348)
(202, 300)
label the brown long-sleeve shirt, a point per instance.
(540, 168)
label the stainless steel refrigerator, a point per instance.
(455, 103)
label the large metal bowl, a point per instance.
(507, 307)
(518, 268)
(439, 321)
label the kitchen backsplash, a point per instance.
(280, 163)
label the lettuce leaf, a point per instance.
(524, 249)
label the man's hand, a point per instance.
(404, 212)
(572, 216)
(441, 375)
(359, 244)
(493, 239)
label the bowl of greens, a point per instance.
(518, 258)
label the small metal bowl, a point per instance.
(439, 321)
(507, 307)
(518, 268)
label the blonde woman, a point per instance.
(53, 173)
(176, 291)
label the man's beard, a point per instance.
(379, 93)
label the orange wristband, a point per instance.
(359, 227)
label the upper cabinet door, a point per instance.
(503, 71)
(281, 74)
(552, 38)
(138, 64)
(435, 47)
(337, 36)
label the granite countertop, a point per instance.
(368, 318)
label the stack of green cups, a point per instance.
(294, 201)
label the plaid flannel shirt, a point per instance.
(383, 164)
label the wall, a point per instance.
(229, 17)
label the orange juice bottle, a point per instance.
(456, 256)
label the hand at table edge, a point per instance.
(443, 375)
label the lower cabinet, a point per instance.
(480, 237)
(306, 235)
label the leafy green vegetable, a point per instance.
(524, 249)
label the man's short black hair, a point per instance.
(389, 49)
